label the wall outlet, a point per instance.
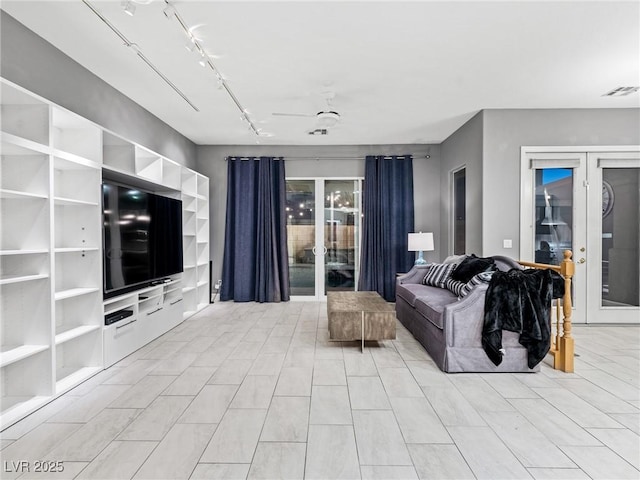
(507, 243)
(218, 284)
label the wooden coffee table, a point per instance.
(360, 316)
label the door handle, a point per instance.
(325, 250)
(314, 250)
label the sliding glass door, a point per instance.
(323, 235)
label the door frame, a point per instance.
(452, 210)
(571, 156)
(319, 265)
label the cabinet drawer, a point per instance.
(120, 339)
(175, 309)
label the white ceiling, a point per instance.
(402, 72)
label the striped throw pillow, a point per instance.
(483, 277)
(438, 274)
(455, 286)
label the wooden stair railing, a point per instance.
(562, 344)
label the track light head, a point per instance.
(128, 7)
(169, 11)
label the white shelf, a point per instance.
(75, 249)
(17, 145)
(121, 306)
(23, 252)
(186, 315)
(15, 354)
(22, 278)
(72, 201)
(202, 283)
(188, 289)
(74, 292)
(127, 297)
(5, 193)
(70, 377)
(75, 333)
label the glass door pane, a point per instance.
(620, 244)
(553, 214)
(341, 234)
(301, 236)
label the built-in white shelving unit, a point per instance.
(77, 254)
(189, 228)
(202, 241)
(52, 332)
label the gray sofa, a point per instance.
(450, 329)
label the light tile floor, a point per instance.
(258, 391)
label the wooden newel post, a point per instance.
(566, 346)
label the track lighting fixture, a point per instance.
(127, 43)
(128, 7)
(219, 81)
(134, 47)
(170, 11)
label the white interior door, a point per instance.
(587, 202)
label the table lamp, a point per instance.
(419, 242)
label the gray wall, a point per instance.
(31, 62)
(463, 148)
(505, 131)
(211, 162)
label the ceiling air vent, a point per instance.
(319, 131)
(621, 91)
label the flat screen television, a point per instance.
(142, 238)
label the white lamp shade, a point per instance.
(421, 242)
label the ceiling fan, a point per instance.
(325, 119)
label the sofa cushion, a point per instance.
(471, 266)
(431, 305)
(409, 291)
(457, 259)
(438, 274)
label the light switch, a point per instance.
(507, 243)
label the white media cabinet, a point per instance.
(52, 329)
(155, 310)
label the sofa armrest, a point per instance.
(463, 320)
(415, 275)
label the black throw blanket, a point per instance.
(520, 301)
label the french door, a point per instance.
(588, 202)
(323, 235)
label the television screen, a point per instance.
(142, 238)
(165, 236)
